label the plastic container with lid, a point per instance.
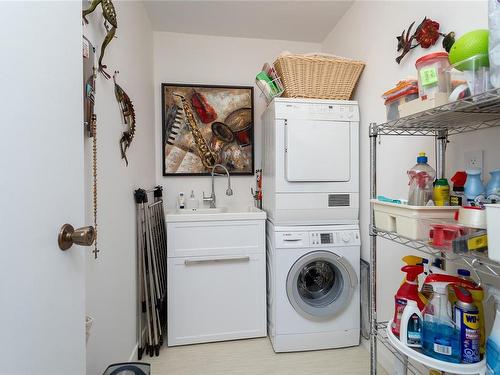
(404, 91)
(392, 103)
(469, 77)
(433, 76)
(422, 177)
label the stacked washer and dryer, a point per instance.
(311, 196)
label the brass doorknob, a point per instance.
(68, 235)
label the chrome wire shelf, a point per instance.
(476, 112)
(411, 367)
(478, 262)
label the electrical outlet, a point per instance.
(474, 160)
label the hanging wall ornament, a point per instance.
(110, 23)
(128, 116)
(426, 35)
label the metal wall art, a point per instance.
(128, 117)
(426, 35)
(206, 125)
(110, 23)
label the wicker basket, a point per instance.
(318, 76)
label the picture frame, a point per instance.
(207, 124)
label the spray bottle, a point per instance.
(407, 291)
(440, 337)
(493, 343)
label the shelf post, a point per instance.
(373, 133)
(441, 142)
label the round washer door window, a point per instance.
(320, 284)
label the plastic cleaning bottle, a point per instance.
(493, 343)
(413, 260)
(441, 192)
(474, 188)
(421, 177)
(411, 325)
(493, 186)
(439, 336)
(476, 291)
(464, 274)
(407, 291)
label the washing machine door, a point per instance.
(320, 284)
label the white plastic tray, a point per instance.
(454, 368)
(410, 221)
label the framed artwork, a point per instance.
(205, 125)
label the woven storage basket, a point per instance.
(318, 76)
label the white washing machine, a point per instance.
(313, 287)
(311, 161)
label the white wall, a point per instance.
(200, 59)
(111, 279)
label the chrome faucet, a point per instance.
(229, 191)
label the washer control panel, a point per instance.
(335, 238)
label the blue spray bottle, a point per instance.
(493, 343)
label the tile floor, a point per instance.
(256, 357)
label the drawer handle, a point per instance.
(292, 239)
(188, 262)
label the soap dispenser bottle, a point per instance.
(192, 202)
(181, 201)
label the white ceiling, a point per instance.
(307, 20)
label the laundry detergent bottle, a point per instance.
(407, 291)
(493, 343)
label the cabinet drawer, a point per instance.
(215, 238)
(216, 298)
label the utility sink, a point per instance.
(215, 214)
(201, 211)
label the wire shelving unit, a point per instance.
(470, 114)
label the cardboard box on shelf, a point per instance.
(418, 105)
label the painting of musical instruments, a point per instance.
(205, 125)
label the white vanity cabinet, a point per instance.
(216, 279)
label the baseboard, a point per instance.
(135, 352)
(133, 356)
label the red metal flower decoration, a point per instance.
(427, 33)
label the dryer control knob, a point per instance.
(346, 237)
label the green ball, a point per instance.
(468, 45)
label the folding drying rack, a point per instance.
(474, 113)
